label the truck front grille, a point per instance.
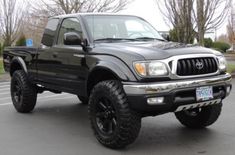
(196, 66)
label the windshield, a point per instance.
(108, 27)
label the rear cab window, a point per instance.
(50, 32)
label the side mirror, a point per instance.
(72, 38)
(166, 37)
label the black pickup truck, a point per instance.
(124, 70)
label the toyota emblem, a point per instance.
(199, 65)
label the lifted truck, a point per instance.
(124, 70)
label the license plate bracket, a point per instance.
(204, 93)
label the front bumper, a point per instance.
(175, 93)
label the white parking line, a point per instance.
(60, 98)
(46, 96)
(10, 103)
(4, 98)
(6, 104)
(4, 89)
(4, 93)
(45, 93)
(5, 86)
(51, 96)
(39, 97)
(2, 83)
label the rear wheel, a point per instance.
(115, 125)
(199, 117)
(23, 93)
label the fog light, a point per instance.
(155, 100)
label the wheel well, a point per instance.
(15, 66)
(99, 75)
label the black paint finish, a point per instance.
(67, 68)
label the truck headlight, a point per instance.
(154, 68)
(222, 63)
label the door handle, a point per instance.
(55, 54)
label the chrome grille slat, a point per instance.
(187, 66)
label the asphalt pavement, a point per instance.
(59, 125)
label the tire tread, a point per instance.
(130, 121)
(29, 92)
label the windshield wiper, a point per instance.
(149, 38)
(114, 39)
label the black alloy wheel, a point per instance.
(114, 124)
(106, 119)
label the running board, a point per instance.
(198, 105)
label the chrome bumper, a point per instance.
(165, 87)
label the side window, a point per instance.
(50, 32)
(69, 25)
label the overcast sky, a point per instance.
(148, 10)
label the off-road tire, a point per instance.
(27, 101)
(84, 100)
(206, 117)
(128, 122)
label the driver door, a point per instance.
(72, 71)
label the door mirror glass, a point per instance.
(72, 38)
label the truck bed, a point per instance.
(26, 53)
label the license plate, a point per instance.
(204, 93)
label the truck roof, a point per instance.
(94, 14)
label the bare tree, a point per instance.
(209, 15)
(231, 27)
(179, 14)
(11, 15)
(58, 7)
(206, 15)
(231, 33)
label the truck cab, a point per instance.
(124, 70)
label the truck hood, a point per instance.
(154, 50)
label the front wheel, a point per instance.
(115, 125)
(23, 93)
(200, 117)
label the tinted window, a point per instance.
(69, 25)
(50, 31)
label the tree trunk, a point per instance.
(200, 21)
(201, 37)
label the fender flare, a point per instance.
(19, 61)
(122, 73)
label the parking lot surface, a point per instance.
(59, 125)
